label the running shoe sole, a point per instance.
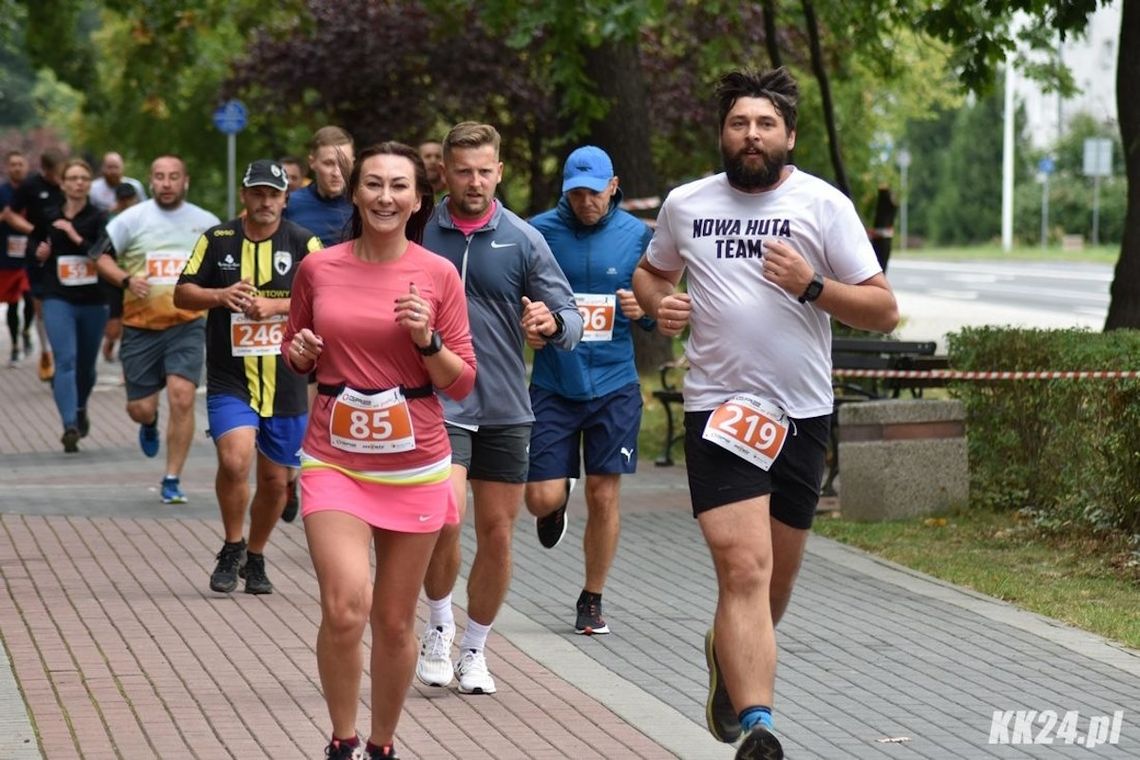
(720, 716)
(587, 631)
(760, 744)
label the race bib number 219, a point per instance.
(750, 427)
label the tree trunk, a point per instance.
(825, 96)
(615, 68)
(1124, 308)
(771, 40)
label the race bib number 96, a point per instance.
(597, 310)
(250, 337)
(164, 267)
(376, 424)
(750, 427)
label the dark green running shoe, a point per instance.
(720, 715)
(760, 744)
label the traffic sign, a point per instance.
(1098, 157)
(1046, 165)
(231, 117)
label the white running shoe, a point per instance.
(471, 670)
(434, 664)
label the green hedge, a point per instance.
(1066, 452)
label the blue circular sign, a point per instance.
(1046, 165)
(231, 117)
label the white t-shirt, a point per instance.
(155, 243)
(748, 335)
(102, 195)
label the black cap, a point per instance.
(265, 172)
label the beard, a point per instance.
(744, 178)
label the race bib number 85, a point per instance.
(376, 424)
(750, 427)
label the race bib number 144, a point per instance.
(750, 427)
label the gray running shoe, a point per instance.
(720, 715)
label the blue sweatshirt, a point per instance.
(598, 259)
(327, 218)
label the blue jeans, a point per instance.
(75, 332)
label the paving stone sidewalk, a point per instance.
(115, 648)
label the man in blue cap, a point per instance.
(589, 400)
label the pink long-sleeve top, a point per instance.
(350, 304)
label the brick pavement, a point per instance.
(116, 649)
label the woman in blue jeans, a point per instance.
(75, 309)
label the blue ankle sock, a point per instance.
(757, 714)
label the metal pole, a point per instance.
(231, 160)
(1096, 210)
(902, 211)
(1045, 212)
(1007, 162)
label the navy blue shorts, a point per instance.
(278, 438)
(605, 429)
(718, 477)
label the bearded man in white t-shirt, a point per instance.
(772, 253)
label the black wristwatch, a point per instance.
(125, 284)
(560, 325)
(814, 288)
(434, 346)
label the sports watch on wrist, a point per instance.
(434, 346)
(125, 284)
(814, 288)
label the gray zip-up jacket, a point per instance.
(500, 263)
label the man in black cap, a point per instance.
(242, 271)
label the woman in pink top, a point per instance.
(382, 321)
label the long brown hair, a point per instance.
(414, 229)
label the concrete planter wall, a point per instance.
(902, 458)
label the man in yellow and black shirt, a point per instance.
(242, 271)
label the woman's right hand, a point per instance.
(306, 347)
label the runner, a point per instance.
(14, 287)
(510, 278)
(242, 272)
(322, 206)
(772, 253)
(74, 307)
(143, 252)
(376, 456)
(589, 398)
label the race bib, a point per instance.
(597, 310)
(164, 267)
(252, 337)
(750, 427)
(17, 246)
(75, 270)
(376, 424)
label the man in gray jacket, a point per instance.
(515, 292)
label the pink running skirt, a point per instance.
(420, 508)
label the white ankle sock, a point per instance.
(475, 636)
(441, 614)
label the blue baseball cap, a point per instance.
(588, 167)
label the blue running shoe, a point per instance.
(172, 492)
(148, 438)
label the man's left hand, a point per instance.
(629, 306)
(537, 323)
(784, 266)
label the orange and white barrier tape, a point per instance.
(954, 374)
(641, 204)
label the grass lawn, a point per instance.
(1103, 254)
(1093, 586)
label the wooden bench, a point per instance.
(846, 353)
